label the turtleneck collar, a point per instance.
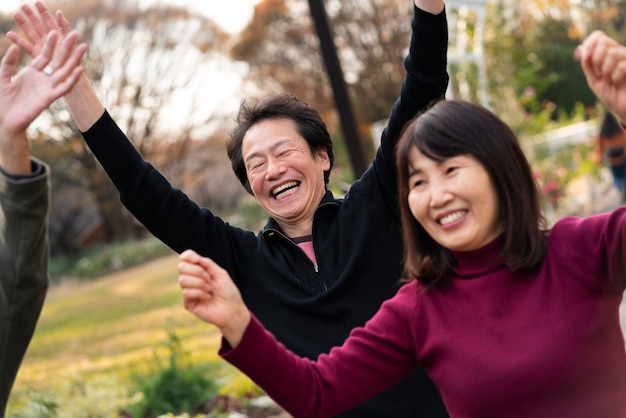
(477, 263)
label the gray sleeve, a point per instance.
(24, 256)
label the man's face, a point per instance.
(285, 177)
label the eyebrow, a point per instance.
(413, 171)
(272, 148)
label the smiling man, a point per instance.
(321, 266)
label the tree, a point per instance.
(529, 52)
(371, 37)
(149, 67)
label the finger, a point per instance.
(38, 28)
(192, 269)
(30, 24)
(21, 42)
(64, 58)
(43, 59)
(191, 282)
(47, 19)
(618, 76)
(211, 266)
(63, 23)
(192, 298)
(66, 85)
(9, 64)
(190, 256)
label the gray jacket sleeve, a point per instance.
(24, 255)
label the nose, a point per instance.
(439, 195)
(275, 168)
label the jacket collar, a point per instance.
(272, 228)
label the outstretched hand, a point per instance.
(25, 95)
(49, 76)
(36, 26)
(603, 61)
(210, 294)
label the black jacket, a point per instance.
(357, 240)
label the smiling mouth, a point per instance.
(452, 217)
(285, 190)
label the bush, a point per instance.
(102, 259)
(177, 387)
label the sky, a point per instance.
(230, 15)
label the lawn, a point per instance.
(92, 335)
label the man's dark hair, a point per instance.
(307, 120)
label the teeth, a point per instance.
(452, 217)
(284, 188)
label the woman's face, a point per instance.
(454, 200)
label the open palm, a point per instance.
(49, 76)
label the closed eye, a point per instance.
(416, 182)
(255, 165)
(451, 169)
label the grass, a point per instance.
(92, 335)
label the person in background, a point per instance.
(24, 194)
(508, 318)
(322, 265)
(611, 148)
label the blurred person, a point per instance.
(25, 194)
(611, 149)
(509, 318)
(324, 265)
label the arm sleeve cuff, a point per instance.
(37, 168)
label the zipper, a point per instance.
(316, 266)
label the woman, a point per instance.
(508, 319)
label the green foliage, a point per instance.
(41, 405)
(176, 387)
(99, 397)
(547, 74)
(101, 259)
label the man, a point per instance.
(24, 195)
(322, 266)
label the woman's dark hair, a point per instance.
(308, 121)
(452, 128)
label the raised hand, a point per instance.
(603, 61)
(49, 76)
(36, 26)
(210, 294)
(25, 95)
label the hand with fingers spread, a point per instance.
(210, 294)
(25, 95)
(36, 26)
(603, 61)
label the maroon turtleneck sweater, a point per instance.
(546, 344)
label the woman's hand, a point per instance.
(210, 294)
(603, 61)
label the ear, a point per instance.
(322, 156)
